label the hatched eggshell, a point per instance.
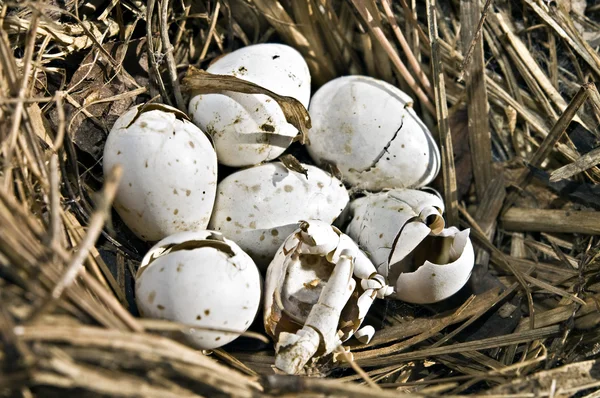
(294, 284)
(200, 279)
(169, 171)
(377, 219)
(368, 129)
(249, 129)
(260, 206)
(431, 281)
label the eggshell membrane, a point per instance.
(367, 128)
(251, 128)
(169, 173)
(260, 206)
(430, 282)
(203, 287)
(377, 219)
(285, 282)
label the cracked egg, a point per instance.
(402, 232)
(169, 171)
(248, 129)
(200, 279)
(368, 129)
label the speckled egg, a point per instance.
(200, 279)
(260, 206)
(248, 129)
(169, 171)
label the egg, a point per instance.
(201, 279)
(318, 289)
(403, 233)
(169, 171)
(260, 206)
(369, 130)
(249, 129)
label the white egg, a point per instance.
(169, 171)
(248, 129)
(368, 129)
(260, 206)
(402, 232)
(200, 279)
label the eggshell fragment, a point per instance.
(260, 206)
(251, 128)
(403, 232)
(169, 171)
(200, 279)
(438, 268)
(318, 290)
(377, 219)
(368, 129)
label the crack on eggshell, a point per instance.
(383, 151)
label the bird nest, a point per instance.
(507, 89)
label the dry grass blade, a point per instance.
(201, 82)
(475, 40)
(278, 385)
(541, 220)
(552, 138)
(412, 60)
(441, 111)
(95, 228)
(151, 54)
(482, 238)
(220, 377)
(576, 43)
(477, 100)
(571, 377)
(457, 348)
(377, 31)
(585, 162)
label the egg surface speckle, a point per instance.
(169, 171)
(200, 279)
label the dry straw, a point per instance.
(511, 80)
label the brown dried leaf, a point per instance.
(198, 81)
(291, 163)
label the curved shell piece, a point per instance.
(403, 233)
(377, 219)
(314, 296)
(260, 206)
(442, 265)
(200, 279)
(368, 129)
(248, 129)
(169, 171)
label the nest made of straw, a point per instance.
(507, 86)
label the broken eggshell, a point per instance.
(318, 290)
(169, 171)
(260, 206)
(368, 129)
(200, 279)
(403, 233)
(249, 129)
